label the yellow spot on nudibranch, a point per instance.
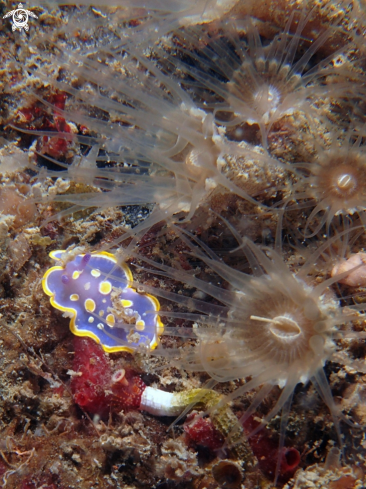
(89, 305)
(126, 303)
(110, 320)
(101, 313)
(74, 297)
(95, 273)
(76, 274)
(140, 325)
(105, 287)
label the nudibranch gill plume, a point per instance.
(94, 290)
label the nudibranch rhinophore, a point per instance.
(94, 290)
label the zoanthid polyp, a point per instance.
(245, 79)
(275, 327)
(332, 184)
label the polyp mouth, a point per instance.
(282, 327)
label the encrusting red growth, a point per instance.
(95, 388)
(127, 392)
(89, 388)
(266, 450)
(38, 119)
(203, 432)
(54, 146)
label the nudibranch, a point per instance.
(93, 289)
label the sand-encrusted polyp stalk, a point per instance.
(162, 403)
(223, 422)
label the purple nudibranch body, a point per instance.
(94, 290)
